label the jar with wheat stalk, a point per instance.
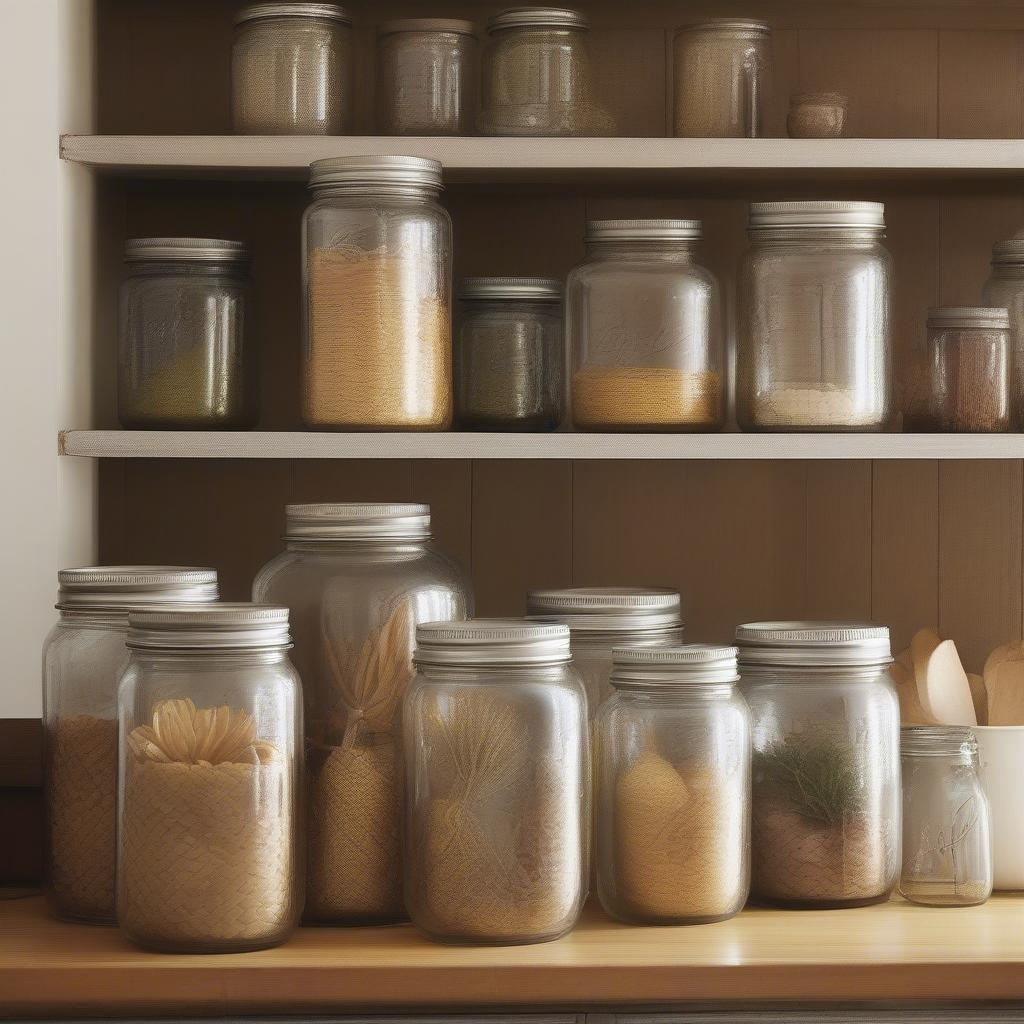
(497, 783)
(357, 579)
(209, 781)
(826, 767)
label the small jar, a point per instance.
(673, 835)
(291, 70)
(1005, 289)
(426, 77)
(722, 78)
(644, 330)
(83, 659)
(814, 346)
(377, 348)
(947, 842)
(826, 769)
(969, 369)
(509, 354)
(817, 115)
(497, 783)
(209, 795)
(185, 358)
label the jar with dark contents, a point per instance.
(510, 353)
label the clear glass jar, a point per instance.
(185, 358)
(722, 79)
(291, 70)
(209, 782)
(1005, 289)
(826, 739)
(947, 841)
(377, 347)
(644, 330)
(968, 369)
(426, 77)
(509, 354)
(83, 658)
(497, 783)
(817, 115)
(537, 76)
(673, 812)
(814, 347)
(357, 579)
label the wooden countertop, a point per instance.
(894, 951)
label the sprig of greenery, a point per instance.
(818, 777)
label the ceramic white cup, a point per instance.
(1001, 754)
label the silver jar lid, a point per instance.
(537, 17)
(210, 250)
(608, 609)
(529, 289)
(800, 644)
(358, 521)
(257, 12)
(683, 666)
(938, 741)
(817, 213)
(373, 172)
(120, 587)
(1009, 252)
(212, 627)
(666, 230)
(455, 26)
(995, 318)
(727, 25)
(492, 642)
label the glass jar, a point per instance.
(291, 70)
(210, 726)
(643, 323)
(673, 834)
(814, 347)
(722, 79)
(377, 348)
(968, 369)
(826, 739)
(357, 579)
(947, 842)
(509, 354)
(537, 75)
(185, 359)
(426, 77)
(497, 782)
(83, 658)
(817, 115)
(1005, 289)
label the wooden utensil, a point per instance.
(911, 711)
(947, 692)
(980, 697)
(922, 644)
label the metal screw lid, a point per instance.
(608, 609)
(800, 644)
(357, 521)
(492, 642)
(121, 587)
(667, 230)
(537, 17)
(967, 317)
(938, 740)
(257, 12)
(727, 25)
(454, 25)
(412, 173)
(670, 667)
(211, 250)
(227, 626)
(1010, 251)
(817, 213)
(530, 289)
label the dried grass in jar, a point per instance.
(646, 398)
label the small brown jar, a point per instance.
(817, 115)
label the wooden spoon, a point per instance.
(980, 697)
(922, 645)
(911, 712)
(947, 691)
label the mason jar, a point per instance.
(377, 345)
(814, 346)
(509, 354)
(644, 330)
(357, 579)
(426, 77)
(291, 70)
(947, 840)
(186, 358)
(1005, 289)
(209, 784)
(673, 811)
(826, 770)
(83, 658)
(497, 783)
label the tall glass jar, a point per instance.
(83, 658)
(1005, 289)
(209, 797)
(186, 360)
(826, 739)
(814, 347)
(509, 354)
(357, 579)
(673, 834)
(947, 841)
(643, 326)
(497, 782)
(291, 70)
(722, 79)
(377, 347)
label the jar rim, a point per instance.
(163, 248)
(726, 25)
(457, 26)
(813, 644)
(117, 588)
(816, 214)
(607, 610)
(536, 289)
(811, 98)
(967, 317)
(537, 17)
(260, 12)
(361, 521)
(667, 229)
(223, 626)
(683, 666)
(491, 642)
(371, 173)
(938, 741)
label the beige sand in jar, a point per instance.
(646, 397)
(809, 406)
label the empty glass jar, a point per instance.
(185, 356)
(357, 579)
(814, 321)
(947, 842)
(291, 70)
(643, 325)
(509, 354)
(497, 782)
(673, 837)
(377, 348)
(1005, 289)
(826, 769)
